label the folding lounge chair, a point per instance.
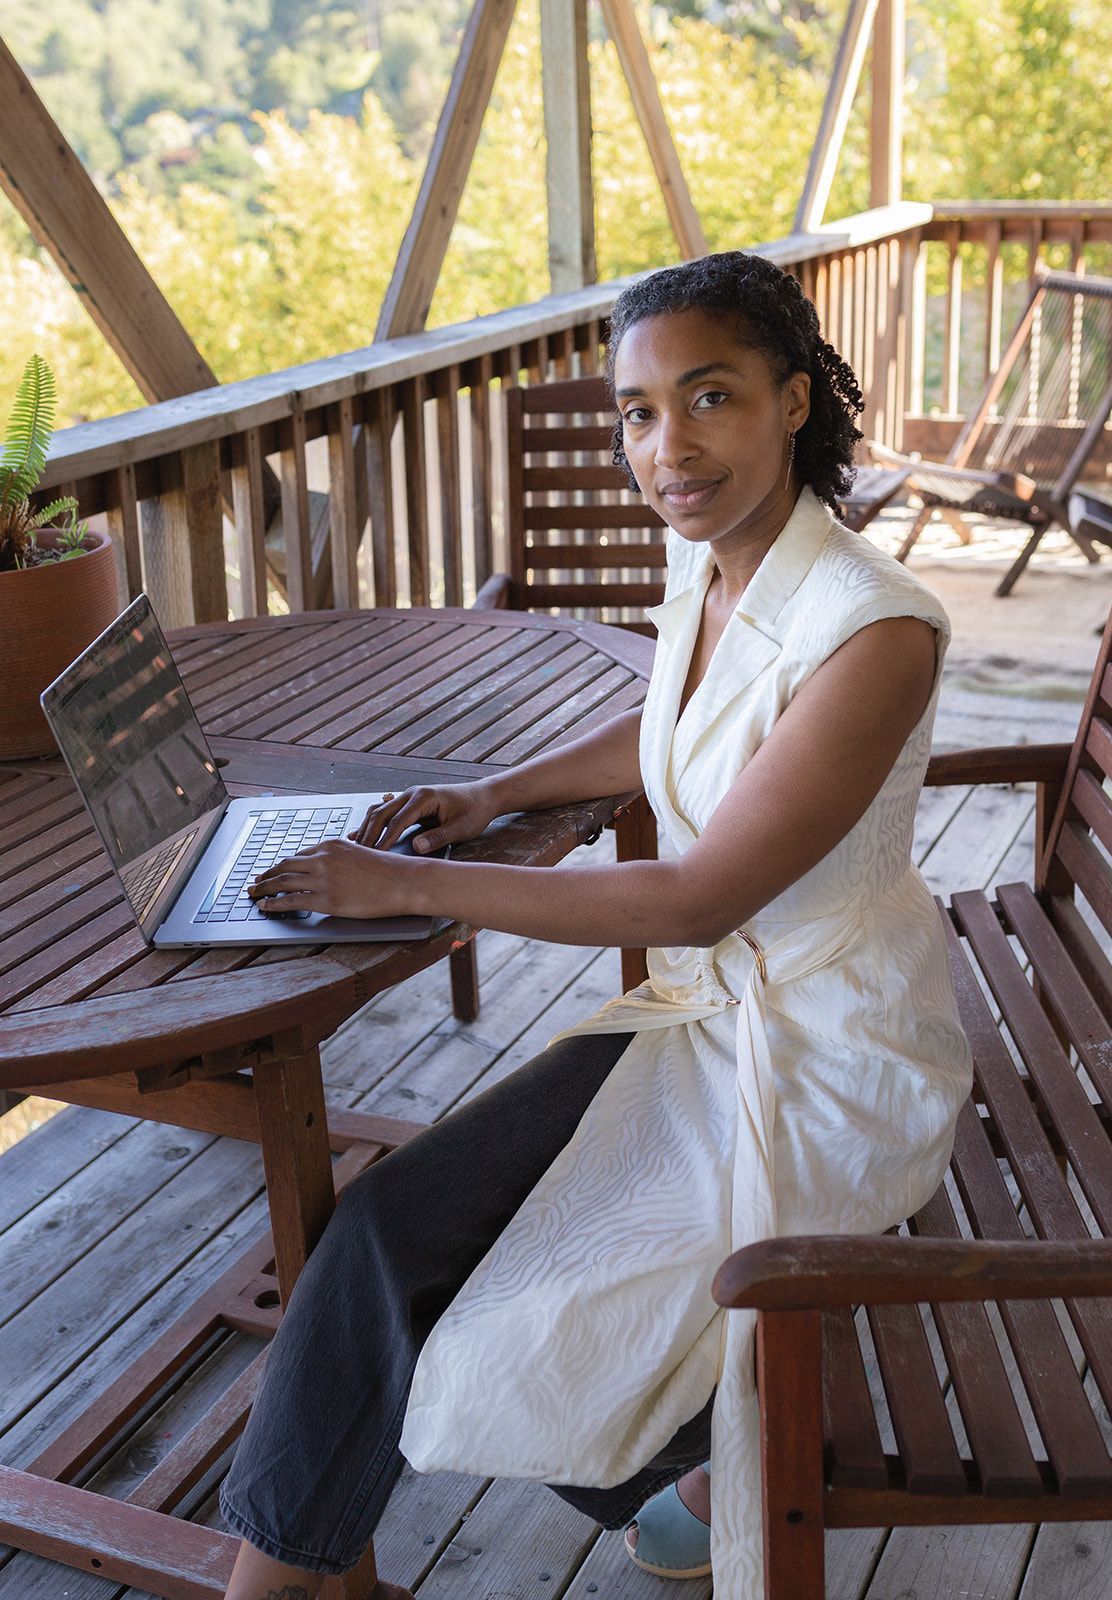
(1026, 444)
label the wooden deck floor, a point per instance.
(109, 1227)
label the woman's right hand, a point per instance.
(449, 814)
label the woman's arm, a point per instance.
(810, 782)
(602, 762)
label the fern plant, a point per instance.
(22, 461)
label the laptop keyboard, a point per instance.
(275, 835)
(144, 881)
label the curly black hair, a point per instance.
(771, 314)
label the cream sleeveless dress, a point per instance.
(819, 1097)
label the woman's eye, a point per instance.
(636, 414)
(711, 399)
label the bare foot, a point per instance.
(694, 1491)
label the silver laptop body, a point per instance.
(184, 850)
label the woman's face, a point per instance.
(705, 425)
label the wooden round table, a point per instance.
(227, 1040)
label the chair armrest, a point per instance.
(819, 1272)
(1006, 763)
(494, 594)
(886, 457)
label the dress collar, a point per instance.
(782, 569)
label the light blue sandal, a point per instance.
(671, 1541)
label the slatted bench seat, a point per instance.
(995, 1402)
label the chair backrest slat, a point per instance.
(581, 540)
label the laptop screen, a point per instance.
(131, 739)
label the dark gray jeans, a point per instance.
(319, 1456)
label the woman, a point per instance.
(524, 1289)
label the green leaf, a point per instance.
(27, 437)
(54, 509)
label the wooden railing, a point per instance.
(972, 274)
(379, 476)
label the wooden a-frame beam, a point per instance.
(566, 89)
(68, 216)
(417, 269)
(622, 26)
(835, 115)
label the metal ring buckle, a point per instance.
(757, 954)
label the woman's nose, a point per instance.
(674, 442)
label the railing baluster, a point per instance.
(296, 529)
(822, 297)
(588, 343)
(447, 436)
(416, 489)
(249, 510)
(916, 281)
(204, 518)
(1034, 244)
(482, 531)
(951, 376)
(183, 539)
(870, 337)
(562, 346)
(381, 417)
(123, 525)
(994, 300)
(834, 302)
(344, 527)
(1077, 320)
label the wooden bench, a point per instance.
(1032, 1156)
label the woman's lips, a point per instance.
(691, 495)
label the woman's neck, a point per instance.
(739, 553)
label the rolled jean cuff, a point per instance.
(278, 1552)
(609, 1507)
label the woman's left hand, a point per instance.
(340, 878)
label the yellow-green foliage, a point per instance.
(1007, 99)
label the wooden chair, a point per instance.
(573, 525)
(579, 539)
(1027, 442)
(1033, 1153)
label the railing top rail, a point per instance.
(955, 210)
(231, 408)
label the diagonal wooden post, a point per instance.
(67, 214)
(417, 269)
(69, 217)
(622, 26)
(835, 115)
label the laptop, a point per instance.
(184, 850)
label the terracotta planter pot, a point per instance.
(48, 615)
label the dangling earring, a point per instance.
(791, 459)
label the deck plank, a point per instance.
(82, 1212)
(518, 1528)
(53, 1154)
